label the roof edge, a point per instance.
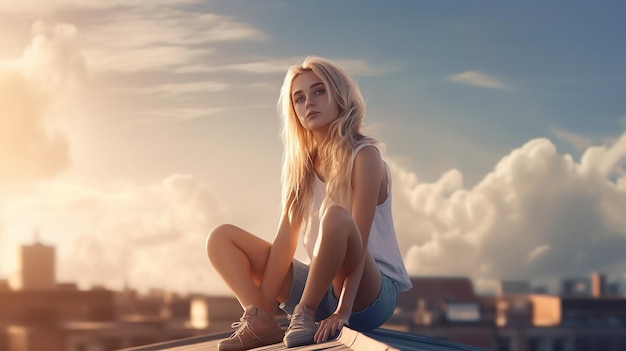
(178, 342)
(359, 341)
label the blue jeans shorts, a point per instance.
(370, 318)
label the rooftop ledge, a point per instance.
(376, 340)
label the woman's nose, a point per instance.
(309, 102)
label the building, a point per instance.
(36, 313)
(513, 287)
(100, 319)
(39, 307)
(35, 268)
(32, 319)
(446, 308)
(439, 313)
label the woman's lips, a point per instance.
(311, 114)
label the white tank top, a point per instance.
(382, 244)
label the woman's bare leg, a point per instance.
(240, 257)
(337, 252)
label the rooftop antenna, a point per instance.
(36, 235)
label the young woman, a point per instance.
(337, 192)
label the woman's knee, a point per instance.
(337, 219)
(218, 237)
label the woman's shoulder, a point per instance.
(369, 169)
(367, 156)
(367, 151)
(373, 146)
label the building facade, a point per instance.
(35, 268)
(447, 308)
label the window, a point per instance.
(502, 343)
(534, 343)
(558, 344)
(621, 343)
(583, 344)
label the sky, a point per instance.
(129, 129)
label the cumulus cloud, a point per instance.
(537, 215)
(147, 236)
(53, 58)
(28, 151)
(605, 160)
(478, 79)
(30, 148)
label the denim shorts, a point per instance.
(370, 318)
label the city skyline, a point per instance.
(35, 312)
(130, 129)
(36, 270)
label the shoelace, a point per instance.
(243, 325)
(299, 321)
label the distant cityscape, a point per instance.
(38, 313)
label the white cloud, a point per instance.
(148, 236)
(28, 150)
(180, 89)
(37, 6)
(31, 149)
(53, 57)
(605, 160)
(280, 65)
(134, 36)
(538, 251)
(176, 114)
(537, 215)
(129, 60)
(575, 140)
(266, 66)
(160, 38)
(478, 79)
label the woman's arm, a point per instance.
(367, 174)
(280, 257)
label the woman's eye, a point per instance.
(298, 99)
(320, 92)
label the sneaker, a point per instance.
(255, 328)
(302, 327)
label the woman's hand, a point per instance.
(330, 327)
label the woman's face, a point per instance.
(310, 99)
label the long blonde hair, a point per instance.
(335, 152)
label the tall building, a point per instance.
(35, 268)
(598, 284)
(595, 285)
